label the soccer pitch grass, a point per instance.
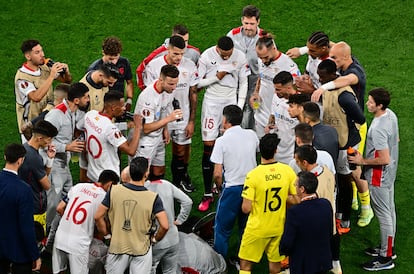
(379, 32)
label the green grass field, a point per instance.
(380, 33)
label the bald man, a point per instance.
(351, 71)
(353, 74)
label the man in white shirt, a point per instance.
(76, 227)
(284, 123)
(104, 138)
(154, 104)
(234, 155)
(223, 72)
(185, 98)
(271, 62)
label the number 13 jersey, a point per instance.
(268, 186)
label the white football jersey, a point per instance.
(102, 141)
(76, 227)
(153, 104)
(285, 129)
(188, 78)
(312, 70)
(210, 62)
(267, 89)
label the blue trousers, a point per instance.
(228, 210)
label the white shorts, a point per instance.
(178, 136)
(116, 264)
(342, 164)
(77, 263)
(154, 153)
(212, 116)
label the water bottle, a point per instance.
(351, 152)
(176, 105)
(74, 156)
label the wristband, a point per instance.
(49, 162)
(129, 101)
(107, 236)
(303, 50)
(328, 86)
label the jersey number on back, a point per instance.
(272, 200)
(80, 213)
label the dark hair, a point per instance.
(319, 39)
(45, 128)
(251, 11)
(112, 45)
(283, 78)
(169, 71)
(28, 45)
(137, 168)
(63, 87)
(107, 176)
(308, 180)
(233, 114)
(312, 111)
(266, 40)
(307, 152)
(112, 96)
(327, 65)
(299, 98)
(109, 70)
(225, 43)
(268, 145)
(380, 96)
(304, 132)
(13, 152)
(179, 29)
(77, 90)
(177, 41)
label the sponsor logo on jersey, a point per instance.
(118, 134)
(146, 112)
(93, 126)
(181, 85)
(24, 84)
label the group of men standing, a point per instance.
(252, 92)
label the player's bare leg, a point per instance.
(366, 214)
(156, 173)
(274, 267)
(246, 266)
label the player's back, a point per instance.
(76, 226)
(268, 186)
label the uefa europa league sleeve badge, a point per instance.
(129, 207)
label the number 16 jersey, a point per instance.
(268, 186)
(76, 227)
